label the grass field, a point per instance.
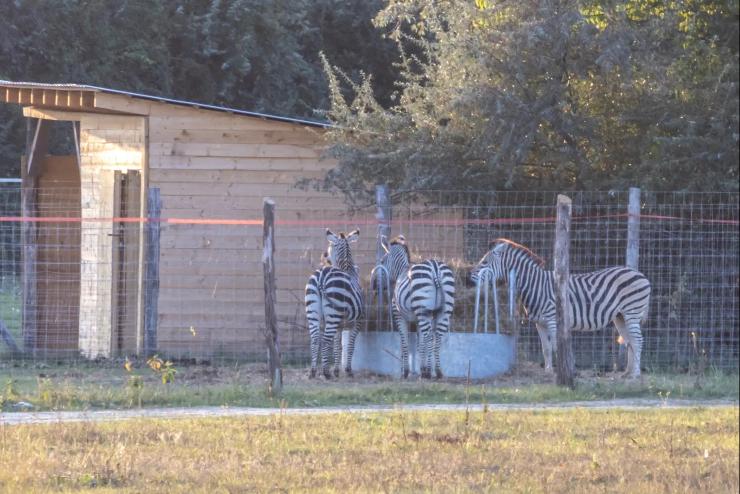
(661, 450)
(91, 386)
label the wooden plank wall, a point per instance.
(107, 143)
(219, 166)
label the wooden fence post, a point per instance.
(633, 229)
(383, 215)
(151, 281)
(268, 265)
(566, 368)
(632, 256)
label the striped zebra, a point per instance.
(617, 294)
(334, 296)
(424, 293)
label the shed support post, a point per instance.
(37, 139)
(566, 369)
(151, 278)
(271, 330)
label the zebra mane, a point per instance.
(537, 259)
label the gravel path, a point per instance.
(18, 418)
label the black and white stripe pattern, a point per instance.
(617, 294)
(424, 293)
(334, 296)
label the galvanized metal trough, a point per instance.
(481, 353)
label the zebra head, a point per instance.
(396, 260)
(504, 256)
(339, 253)
(491, 264)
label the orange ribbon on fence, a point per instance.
(334, 221)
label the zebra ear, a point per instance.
(353, 236)
(401, 239)
(330, 237)
(384, 243)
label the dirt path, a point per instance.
(18, 418)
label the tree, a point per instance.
(543, 95)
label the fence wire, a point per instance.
(84, 287)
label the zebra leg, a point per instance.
(337, 351)
(424, 328)
(430, 351)
(351, 347)
(403, 330)
(621, 326)
(441, 327)
(543, 332)
(635, 348)
(314, 332)
(327, 344)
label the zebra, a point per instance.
(618, 294)
(423, 293)
(334, 295)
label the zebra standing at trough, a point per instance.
(425, 293)
(333, 294)
(618, 294)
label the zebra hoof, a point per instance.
(439, 374)
(327, 375)
(336, 372)
(348, 372)
(312, 374)
(405, 373)
(426, 374)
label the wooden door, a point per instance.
(58, 257)
(126, 271)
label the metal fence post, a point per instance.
(566, 368)
(383, 215)
(151, 280)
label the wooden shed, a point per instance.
(85, 262)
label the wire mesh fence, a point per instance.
(79, 286)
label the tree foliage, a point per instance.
(546, 95)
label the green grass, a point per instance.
(90, 386)
(659, 450)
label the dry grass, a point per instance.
(692, 450)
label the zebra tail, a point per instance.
(644, 317)
(438, 292)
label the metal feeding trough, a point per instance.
(477, 354)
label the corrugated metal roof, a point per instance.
(85, 87)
